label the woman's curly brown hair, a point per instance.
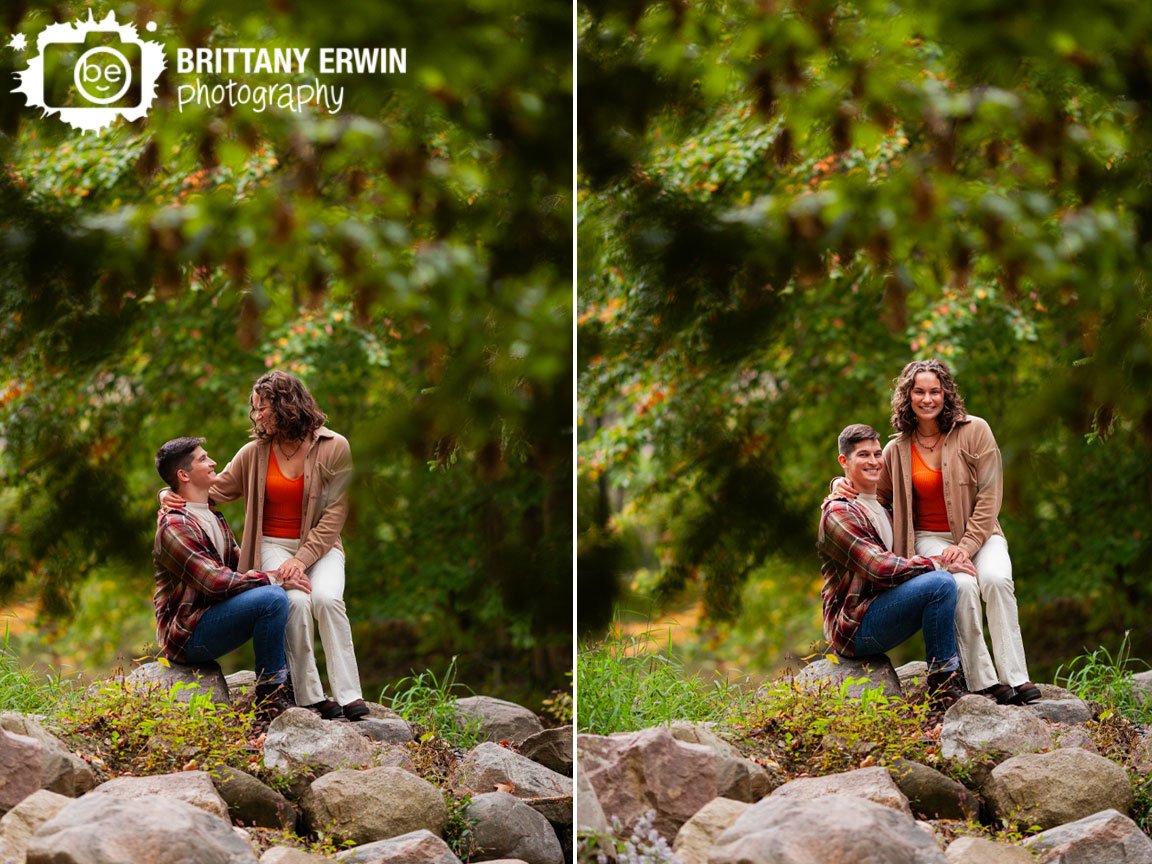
(296, 412)
(903, 417)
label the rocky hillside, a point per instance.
(846, 763)
(378, 791)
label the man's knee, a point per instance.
(941, 583)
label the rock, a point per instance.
(1074, 736)
(698, 834)
(874, 784)
(877, 669)
(300, 740)
(978, 850)
(976, 728)
(552, 748)
(1101, 838)
(191, 787)
(1051, 691)
(1061, 710)
(377, 804)
(252, 803)
(488, 765)
(419, 847)
(834, 829)
(22, 821)
(634, 772)
(376, 711)
(204, 678)
(1142, 683)
(63, 772)
(557, 810)
(508, 828)
(912, 674)
(500, 720)
(289, 855)
(932, 794)
(104, 829)
(240, 684)
(1050, 789)
(389, 731)
(23, 762)
(590, 816)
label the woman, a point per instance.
(943, 479)
(294, 474)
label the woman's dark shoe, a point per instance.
(1025, 694)
(945, 689)
(270, 701)
(327, 709)
(356, 710)
(1001, 694)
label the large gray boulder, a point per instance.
(22, 821)
(1102, 838)
(835, 829)
(63, 772)
(500, 720)
(877, 670)
(419, 847)
(506, 827)
(299, 740)
(697, 836)
(206, 679)
(874, 784)
(1050, 789)
(252, 803)
(104, 829)
(489, 766)
(1061, 710)
(634, 772)
(978, 728)
(377, 804)
(23, 764)
(388, 731)
(978, 850)
(552, 748)
(931, 794)
(191, 787)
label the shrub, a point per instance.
(430, 703)
(1106, 680)
(27, 692)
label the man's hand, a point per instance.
(841, 488)
(963, 567)
(299, 581)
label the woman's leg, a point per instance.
(260, 615)
(327, 577)
(974, 657)
(999, 593)
(274, 551)
(926, 602)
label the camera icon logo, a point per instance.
(91, 72)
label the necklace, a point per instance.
(929, 447)
(288, 455)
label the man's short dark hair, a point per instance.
(853, 435)
(176, 455)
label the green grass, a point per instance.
(624, 684)
(29, 692)
(1106, 680)
(430, 703)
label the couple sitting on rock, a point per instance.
(206, 606)
(943, 467)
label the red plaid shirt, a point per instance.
(857, 568)
(190, 577)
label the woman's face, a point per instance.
(262, 413)
(927, 397)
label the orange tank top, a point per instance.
(928, 510)
(283, 503)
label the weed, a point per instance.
(28, 693)
(623, 685)
(1106, 680)
(558, 706)
(642, 845)
(430, 703)
(460, 832)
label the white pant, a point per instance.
(326, 603)
(994, 585)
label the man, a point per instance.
(204, 608)
(874, 599)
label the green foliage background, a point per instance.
(780, 203)
(408, 257)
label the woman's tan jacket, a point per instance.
(973, 486)
(327, 472)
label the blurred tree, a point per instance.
(408, 256)
(781, 203)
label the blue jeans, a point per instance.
(926, 602)
(260, 614)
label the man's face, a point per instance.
(863, 465)
(202, 471)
